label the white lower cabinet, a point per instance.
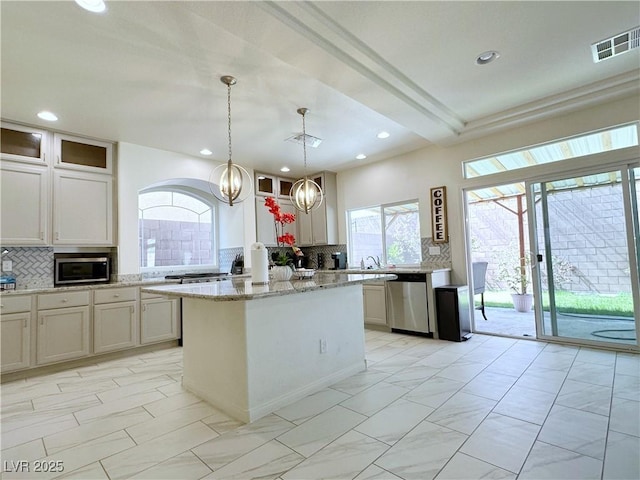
(14, 331)
(375, 305)
(159, 319)
(63, 326)
(115, 319)
(114, 326)
(63, 334)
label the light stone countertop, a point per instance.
(243, 289)
(425, 270)
(95, 286)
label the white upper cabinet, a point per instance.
(24, 144)
(83, 154)
(320, 226)
(59, 198)
(82, 208)
(24, 190)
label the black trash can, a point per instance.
(453, 313)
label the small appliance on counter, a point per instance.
(339, 261)
(7, 282)
(320, 264)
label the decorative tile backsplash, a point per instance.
(32, 266)
(435, 260)
(226, 257)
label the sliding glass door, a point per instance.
(584, 255)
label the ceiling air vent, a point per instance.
(616, 45)
(309, 140)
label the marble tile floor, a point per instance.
(424, 409)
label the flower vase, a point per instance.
(281, 273)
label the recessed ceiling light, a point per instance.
(95, 6)
(383, 135)
(206, 151)
(285, 169)
(487, 57)
(48, 116)
(361, 156)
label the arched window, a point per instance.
(176, 229)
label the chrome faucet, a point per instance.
(375, 260)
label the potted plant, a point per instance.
(516, 274)
(283, 266)
(283, 263)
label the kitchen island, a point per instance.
(252, 349)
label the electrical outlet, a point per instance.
(323, 345)
(7, 265)
(434, 250)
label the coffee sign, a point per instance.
(439, 215)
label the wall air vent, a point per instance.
(310, 141)
(616, 45)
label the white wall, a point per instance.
(412, 175)
(139, 167)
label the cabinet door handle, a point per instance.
(41, 235)
(64, 300)
(57, 235)
(116, 295)
(25, 323)
(41, 319)
(131, 310)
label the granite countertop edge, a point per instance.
(99, 286)
(211, 291)
(425, 270)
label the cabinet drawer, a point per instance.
(145, 295)
(15, 304)
(110, 295)
(60, 300)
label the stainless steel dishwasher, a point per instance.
(407, 303)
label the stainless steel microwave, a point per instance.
(81, 270)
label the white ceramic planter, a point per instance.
(522, 303)
(281, 274)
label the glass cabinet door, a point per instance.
(82, 154)
(22, 144)
(265, 184)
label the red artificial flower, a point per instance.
(287, 239)
(288, 218)
(280, 218)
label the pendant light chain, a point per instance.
(229, 116)
(232, 183)
(304, 141)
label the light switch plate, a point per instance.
(434, 250)
(7, 265)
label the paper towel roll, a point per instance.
(259, 264)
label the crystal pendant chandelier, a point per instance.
(230, 182)
(306, 194)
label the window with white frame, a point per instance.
(390, 233)
(176, 229)
(595, 142)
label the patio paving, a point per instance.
(506, 321)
